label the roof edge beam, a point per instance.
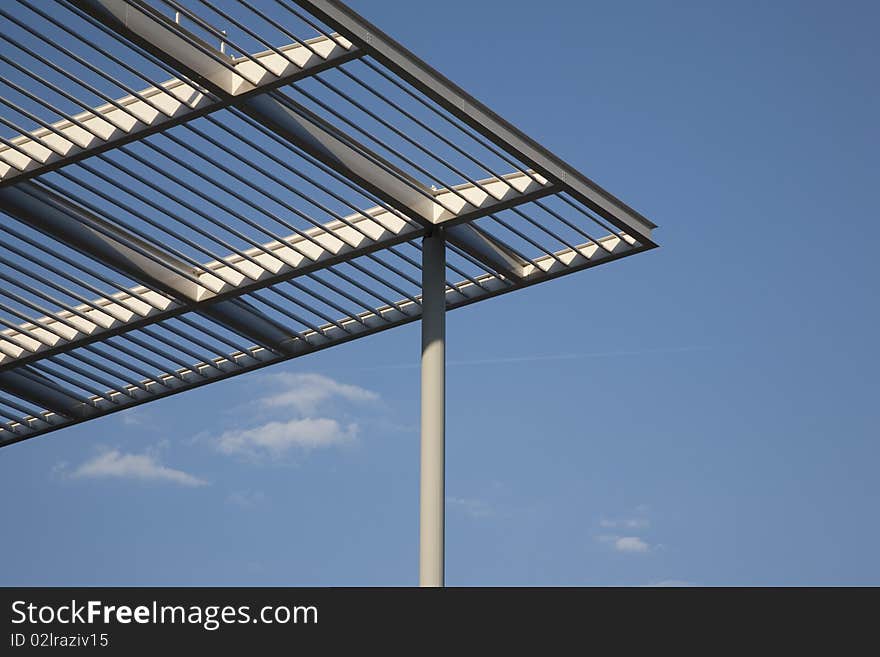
(465, 107)
(186, 53)
(386, 317)
(355, 161)
(305, 129)
(358, 234)
(312, 250)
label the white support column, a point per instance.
(433, 468)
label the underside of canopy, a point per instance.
(194, 190)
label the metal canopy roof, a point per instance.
(194, 190)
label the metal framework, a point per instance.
(192, 190)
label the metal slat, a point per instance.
(160, 107)
(380, 319)
(475, 114)
(375, 229)
(212, 263)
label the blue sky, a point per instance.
(704, 413)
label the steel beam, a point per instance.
(347, 156)
(173, 287)
(171, 103)
(296, 255)
(465, 107)
(303, 128)
(300, 126)
(80, 229)
(200, 61)
(39, 391)
(383, 318)
(488, 251)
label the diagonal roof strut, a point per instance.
(167, 105)
(61, 219)
(207, 286)
(40, 391)
(117, 309)
(199, 60)
(475, 114)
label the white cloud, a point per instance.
(246, 499)
(143, 467)
(274, 439)
(307, 392)
(470, 506)
(637, 520)
(295, 400)
(629, 544)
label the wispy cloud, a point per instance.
(637, 520)
(306, 393)
(114, 464)
(302, 410)
(246, 499)
(625, 539)
(274, 439)
(133, 417)
(628, 544)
